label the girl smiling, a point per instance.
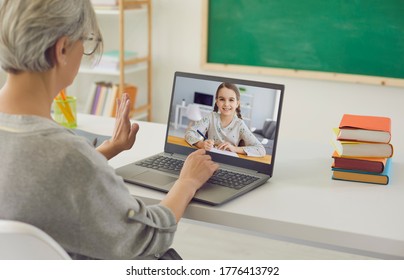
(224, 128)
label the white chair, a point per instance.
(21, 241)
(193, 114)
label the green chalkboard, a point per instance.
(360, 37)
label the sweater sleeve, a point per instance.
(191, 134)
(58, 182)
(252, 146)
(112, 224)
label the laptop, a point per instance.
(260, 104)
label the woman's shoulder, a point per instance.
(73, 147)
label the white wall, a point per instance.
(310, 106)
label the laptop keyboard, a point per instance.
(166, 164)
(220, 177)
(231, 179)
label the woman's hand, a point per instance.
(124, 134)
(197, 169)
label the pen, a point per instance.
(200, 133)
(95, 141)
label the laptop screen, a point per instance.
(199, 111)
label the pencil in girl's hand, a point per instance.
(200, 133)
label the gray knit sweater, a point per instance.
(57, 181)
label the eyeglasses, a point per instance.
(90, 44)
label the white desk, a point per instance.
(300, 203)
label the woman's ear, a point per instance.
(61, 51)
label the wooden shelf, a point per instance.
(130, 68)
(129, 8)
(114, 10)
(141, 112)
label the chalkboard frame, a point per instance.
(297, 73)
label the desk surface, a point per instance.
(181, 141)
(301, 202)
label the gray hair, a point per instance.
(29, 30)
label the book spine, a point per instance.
(96, 97)
(356, 164)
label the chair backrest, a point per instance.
(21, 241)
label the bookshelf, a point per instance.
(125, 27)
(246, 105)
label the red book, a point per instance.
(374, 165)
(365, 128)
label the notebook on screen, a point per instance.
(192, 108)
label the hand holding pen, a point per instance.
(207, 144)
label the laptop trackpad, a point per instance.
(154, 178)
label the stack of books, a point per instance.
(363, 150)
(102, 98)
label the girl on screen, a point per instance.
(224, 128)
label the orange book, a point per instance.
(131, 90)
(365, 128)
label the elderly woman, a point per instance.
(50, 177)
